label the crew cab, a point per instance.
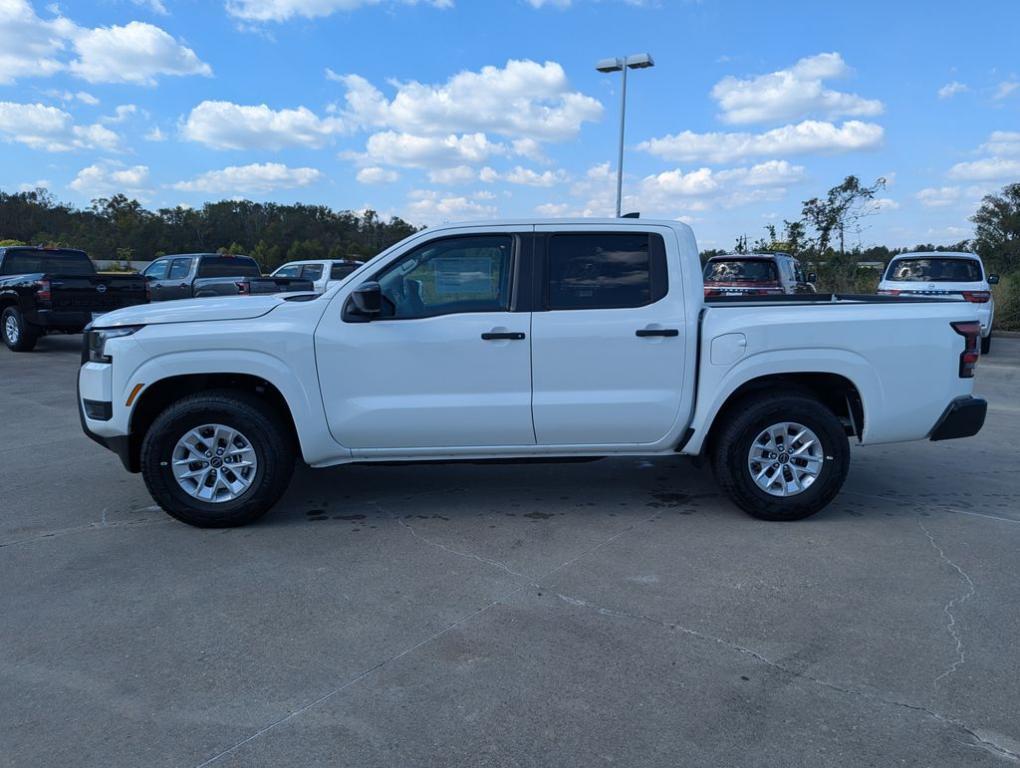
(46, 290)
(944, 273)
(201, 275)
(755, 274)
(323, 273)
(523, 340)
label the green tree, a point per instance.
(997, 230)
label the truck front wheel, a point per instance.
(781, 457)
(217, 459)
(19, 335)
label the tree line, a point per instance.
(118, 228)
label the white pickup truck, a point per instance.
(529, 339)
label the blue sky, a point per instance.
(441, 110)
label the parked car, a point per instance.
(43, 290)
(324, 273)
(200, 275)
(585, 338)
(944, 273)
(755, 274)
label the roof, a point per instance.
(944, 254)
(579, 220)
(734, 256)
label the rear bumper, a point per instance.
(54, 318)
(963, 417)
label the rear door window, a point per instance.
(311, 271)
(935, 270)
(340, 271)
(179, 269)
(605, 270)
(228, 266)
(741, 271)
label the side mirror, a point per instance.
(993, 279)
(364, 303)
(812, 277)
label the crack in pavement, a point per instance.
(947, 609)
(934, 505)
(985, 743)
(94, 526)
(431, 638)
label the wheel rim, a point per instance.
(785, 459)
(214, 463)
(11, 329)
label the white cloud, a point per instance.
(86, 98)
(250, 179)
(120, 114)
(134, 53)
(458, 174)
(792, 93)
(884, 204)
(429, 207)
(156, 6)
(225, 125)
(31, 186)
(282, 10)
(809, 136)
(376, 175)
(155, 134)
(104, 179)
(986, 169)
(556, 210)
(938, 197)
(949, 90)
(51, 129)
(31, 45)
(411, 151)
(524, 99)
(1005, 88)
(704, 181)
(1003, 143)
(527, 177)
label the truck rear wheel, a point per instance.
(18, 335)
(218, 459)
(781, 457)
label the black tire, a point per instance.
(745, 421)
(19, 335)
(986, 343)
(264, 429)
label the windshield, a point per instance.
(228, 266)
(52, 262)
(741, 271)
(935, 270)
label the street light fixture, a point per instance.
(637, 61)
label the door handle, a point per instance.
(183, 285)
(667, 332)
(495, 335)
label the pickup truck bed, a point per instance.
(524, 340)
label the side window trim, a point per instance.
(515, 260)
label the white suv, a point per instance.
(942, 273)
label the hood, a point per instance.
(191, 311)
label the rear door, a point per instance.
(608, 342)
(175, 284)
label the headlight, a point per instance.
(96, 338)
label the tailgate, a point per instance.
(280, 284)
(96, 293)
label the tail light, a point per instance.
(971, 332)
(977, 297)
(43, 292)
(889, 292)
(242, 288)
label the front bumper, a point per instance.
(963, 417)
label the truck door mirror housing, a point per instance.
(993, 279)
(812, 277)
(364, 303)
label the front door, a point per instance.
(447, 364)
(608, 342)
(176, 283)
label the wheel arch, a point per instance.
(156, 397)
(835, 391)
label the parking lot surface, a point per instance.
(619, 612)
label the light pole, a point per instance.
(637, 61)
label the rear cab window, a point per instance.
(605, 270)
(741, 271)
(340, 271)
(57, 261)
(935, 270)
(311, 271)
(228, 266)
